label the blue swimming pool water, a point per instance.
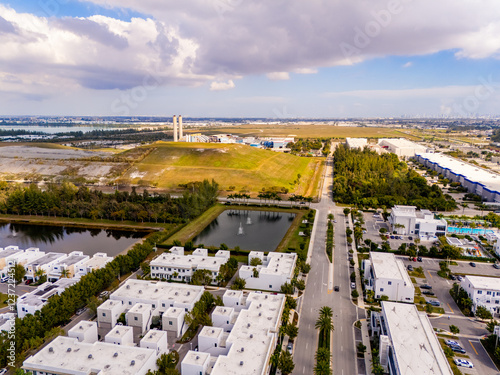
(469, 230)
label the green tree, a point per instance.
(300, 284)
(346, 211)
(287, 288)
(491, 325)
(285, 363)
(201, 277)
(254, 262)
(483, 313)
(354, 294)
(323, 355)
(454, 329)
(322, 368)
(292, 331)
(238, 284)
(19, 273)
(361, 348)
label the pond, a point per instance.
(56, 129)
(250, 230)
(67, 239)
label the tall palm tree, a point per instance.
(323, 355)
(65, 273)
(39, 273)
(322, 368)
(326, 311)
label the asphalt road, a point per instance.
(318, 294)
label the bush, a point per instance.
(354, 294)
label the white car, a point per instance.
(452, 342)
(463, 363)
(3, 371)
(353, 285)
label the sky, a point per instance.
(253, 58)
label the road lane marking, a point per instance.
(429, 272)
(447, 282)
(470, 342)
(450, 308)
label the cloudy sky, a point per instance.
(250, 58)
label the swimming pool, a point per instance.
(469, 230)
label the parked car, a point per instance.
(496, 265)
(410, 238)
(410, 267)
(419, 259)
(463, 363)
(472, 264)
(434, 303)
(451, 342)
(459, 278)
(80, 311)
(28, 281)
(392, 237)
(289, 347)
(453, 277)
(4, 279)
(457, 349)
(104, 294)
(425, 286)
(336, 288)
(3, 371)
(353, 285)
(428, 292)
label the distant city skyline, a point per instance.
(266, 59)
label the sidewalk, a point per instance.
(361, 304)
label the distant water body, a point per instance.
(56, 129)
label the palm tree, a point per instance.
(326, 311)
(464, 206)
(65, 273)
(39, 273)
(323, 355)
(322, 368)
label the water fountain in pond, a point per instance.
(240, 230)
(249, 220)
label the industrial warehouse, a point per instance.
(475, 179)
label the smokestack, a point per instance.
(180, 126)
(175, 129)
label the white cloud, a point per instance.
(278, 76)
(305, 71)
(408, 64)
(222, 86)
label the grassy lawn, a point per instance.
(292, 238)
(3, 300)
(308, 131)
(244, 167)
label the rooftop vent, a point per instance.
(188, 293)
(176, 293)
(132, 363)
(241, 363)
(156, 290)
(68, 350)
(251, 336)
(51, 350)
(197, 357)
(128, 287)
(151, 336)
(242, 350)
(260, 314)
(248, 325)
(140, 291)
(115, 355)
(213, 330)
(90, 356)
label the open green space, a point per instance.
(307, 131)
(237, 166)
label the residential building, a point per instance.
(84, 331)
(475, 179)
(108, 313)
(68, 265)
(248, 347)
(276, 269)
(44, 264)
(98, 260)
(67, 355)
(120, 335)
(407, 342)
(406, 220)
(403, 148)
(31, 302)
(140, 316)
(12, 255)
(387, 276)
(483, 291)
(177, 266)
(7, 321)
(156, 340)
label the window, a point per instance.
(103, 314)
(389, 282)
(170, 323)
(130, 302)
(497, 302)
(162, 305)
(135, 318)
(381, 289)
(488, 293)
(154, 306)
(479, 292)
(215, 344)
(270, 287)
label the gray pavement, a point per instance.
(318, 293)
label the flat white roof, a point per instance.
(153, 336)
(117, 332)
(83, 326)
(223, 311)
(416, 347)
(356, 142)
(153, 291)
(406, 211)
(46, 259)
(173, 312)
(250, 339)
(277, 264)
(471, 172)
(385, 265)
(482, 282)
(213, 332)
(97, 261)
(140, 308)
(67, 355)
(206, 262)
(402, 143)
(196, 358)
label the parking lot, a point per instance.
(470, 329)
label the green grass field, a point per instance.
(307, 131)
(244, 167)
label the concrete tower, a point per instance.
(175, 128)
(180, 126)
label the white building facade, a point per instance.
(483, 291)
(387, 276)
(406, 220)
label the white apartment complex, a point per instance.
(68, 264)
(387, 276)
(12, 255)
(29, 303)
(408, 344)
(177, 266)
(483, 291)
(45, 263)
(98, 260)
(406, 220)
(276, 269)
(248, 346)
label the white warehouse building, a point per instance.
(276, 269)
(402, 147)
(356, 142)
(177, 266)
(408, 344)
(406, 220)
(483, 291)
(387, 276)
(475, 179)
